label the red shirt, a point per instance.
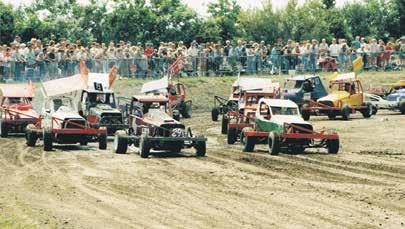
(148, 52)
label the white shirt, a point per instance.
(334, 49)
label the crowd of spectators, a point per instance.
(56, 58)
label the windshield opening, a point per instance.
(284, 111)
(293, 84)
(101, 98)
(62, 102)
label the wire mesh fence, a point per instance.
(202, 65)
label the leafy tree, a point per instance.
(329, 4)
(262, 24)
(225, 13)
(7, 23)
(172, 20)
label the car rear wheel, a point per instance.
(48, 141)
(224, 125)
(249, 145)
(144, 147)
(83, 143)
(232, 136)
(375, 110)
(30, 136)
(368, 111)
(200, 148)
(120, 142)
(176, 116)
(402, 107)
(102, 141)
(214, 114)
(187, 110)
(333, 146)
(306, 115)
(346, 110)
(331, 115)
(4, 130)
(274, 143)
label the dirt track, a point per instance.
(73, 187)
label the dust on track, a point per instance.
(83, 187)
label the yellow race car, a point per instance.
(347, 97)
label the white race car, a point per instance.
(378, 102)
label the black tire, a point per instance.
(232, 136)
(224, 125)
(200, 148)
(187, 110)
(214, 114)
(367, 112)
(402, 107)
(84, 143)
(4, 130)
(31, 138)
(274, 143)
(332, 115)
(333, 146)
(375, 110)
(346, 110)
(120, 144)
(250, 143)
(306, 115)
(48, 141)
(102, 141)
(176, 116)
(144, 147)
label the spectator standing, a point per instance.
(323, 48)
(192, 53)
(374, 52)
(342, 55)
(241, 52)
(314, 55)
(356, 43)
(30, 62)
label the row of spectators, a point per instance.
(36, 60)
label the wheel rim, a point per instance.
(270, 144)
(116, 143)
(140, 147)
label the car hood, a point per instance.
(66, 113)
(30, 113)
(103, 109)
(335, 96)
(394, 96)
(158, 117)
(292, 94)
(281, 119)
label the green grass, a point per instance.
(203, 89)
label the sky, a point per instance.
(201, 5)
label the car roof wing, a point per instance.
(302, 77)
(63, 86)
(151, 98)
(17, 90)
(279, 103)
(344, 77)
(155, 85)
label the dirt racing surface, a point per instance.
(82, 187)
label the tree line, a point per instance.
(154, 21)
